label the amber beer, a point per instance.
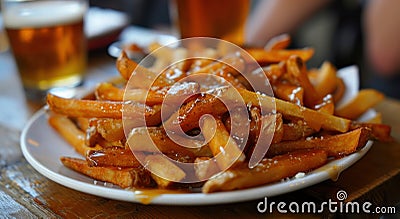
(48, 43)
(224, 19)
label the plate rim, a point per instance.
(188, 199)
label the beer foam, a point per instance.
(43, 13)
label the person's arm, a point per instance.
(382, 28)
(274, 17)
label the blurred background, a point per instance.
(335, 32)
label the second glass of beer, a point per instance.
(48, 43)
(223, 19)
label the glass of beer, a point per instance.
(223, 19)
(48, 43)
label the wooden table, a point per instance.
(26, 193)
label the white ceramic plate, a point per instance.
(42, 148)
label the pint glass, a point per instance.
(223, 19)
(48, 42)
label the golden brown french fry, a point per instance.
(278, 127)
(102, 109)
(125, 65)
(296, 67)
(270, 132)
(110, 129)
(200, 63)
(380, 132)
(72, 134)
(143, 77)
(231, 65)
(289, 92)
(254, 131)
(84, 108)
(327, 105)
(325, 79)
(93, 137)
(313, 76)
(205, 167)
(107, 91)
(278, 42)
(364, 100)
(179, 93)
(164, 172)
(114, 156)
(223, 146)
(339, 90)
(151, 97)
(155, 140)
(82, 123)
(188, 116)
(314, 119)
(335, 145)
(123, 177)
(179, 70)
(275, 71)
(296, 130)
(268, 171)
(264, 57)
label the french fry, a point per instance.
(223, 146)
(336, 145)
(339, 90)
(289, 92)
(275, 71)
(188, 116)
(93, 137)
(107, 91)
(164, 172)
(314, 119)
(82, 123)
(279, 42)
(84, 108)
(264, 57)
(268, 171)
(271, 131)
(144, 78)
(228, 65)
(296, 67)
(150, 97)
(153, 96)
(326, 75)
(110, 129)
(179, 70)
(205, 167)
(145, 138)
(327, 105)
(114, 156)
(68, 130)
(221, 77)
(364, 100)
(296, 130)
(380, 132)
(102, 109)
(123, 177)
(125, 65)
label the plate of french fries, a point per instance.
(193, 126)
